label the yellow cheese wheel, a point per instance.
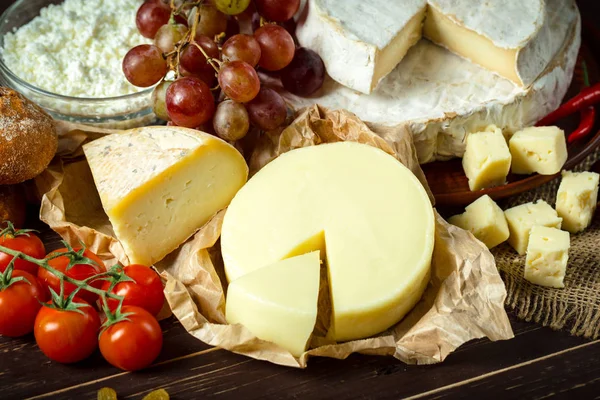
(366, 212)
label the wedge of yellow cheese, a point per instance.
(363, 209)
(158, 185)
(278, 303)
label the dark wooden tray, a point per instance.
(449, 184)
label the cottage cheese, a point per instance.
(76, 48)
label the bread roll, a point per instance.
(28, 138)
(12, 205)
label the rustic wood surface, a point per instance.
(538, 363)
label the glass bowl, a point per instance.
(128, 111)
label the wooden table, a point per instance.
(537, 363)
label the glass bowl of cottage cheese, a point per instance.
(66, 56)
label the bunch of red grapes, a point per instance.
(214, 66)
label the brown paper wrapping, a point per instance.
(464, 300)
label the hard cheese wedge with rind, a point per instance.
(366, 211)
(158, 185)
(278, 303)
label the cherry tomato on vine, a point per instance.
(67, 336)
(145, 290)
(79, 272)
(134, 343)
(19, 304)
(27, 243)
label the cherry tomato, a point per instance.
(146, 289)
(79, 272)
(19, 305)
(67, 336)
(27, 243)
(134, 343)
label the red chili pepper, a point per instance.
(586, 124)
(588, 97)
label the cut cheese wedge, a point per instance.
(158, 185)
(362, 42)
(278, 303)
(365, 210)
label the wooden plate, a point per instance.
(449, 184)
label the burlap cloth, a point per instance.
(576, 307)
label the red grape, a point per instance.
(152, 15)
(233, 27)
(159, 105)
(242, 48)
(268, 110)
(212, 22)
(209, 76)
(168, 35)
(192, 59)
(239, 81)
(231, 120)
(277, 10)
(190, 102)
(305, 74)
(144, 65)
(276, 47)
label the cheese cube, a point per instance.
(547, 255)
(576, 199)
(278, 303)
(538, 149)
(522, 218)
(485, 220)
(487, 160)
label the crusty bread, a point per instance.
(28, 138)
(12, 205)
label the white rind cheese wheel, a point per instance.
(158, 185)
(361, 207)
(278, 303)
(443, 97)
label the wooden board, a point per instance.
(449, 184)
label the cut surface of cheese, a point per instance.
(361, 42)
(576, 199)
(158, 185)
(370, 215)
(443, 97)
(485, 220)
(547, 256)
(522, 218)
(278, 303)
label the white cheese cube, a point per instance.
(522, 218)
(487, 159)
(485, 220)
(576, 199)
(538, 149)
(547, 256)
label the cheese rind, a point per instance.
(486, 161)
(158, 185)
(538, 149)
(485, 220)
(370, 214)
(278, 303)
(521, 219)
(576, 199)
(547, 256)
(360, 42)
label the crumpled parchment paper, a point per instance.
(464, 300)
